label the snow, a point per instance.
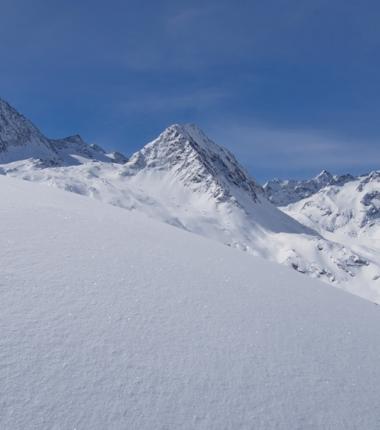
(349, 213)
(22, 140)
(200, 187)
(184, 179)
(112, 320)
(284, 192)
(73, 150)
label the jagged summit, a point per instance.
(20, 139)
(324, 177)
(195, 160)
(350, 210)
(284, 192)
(74, 150)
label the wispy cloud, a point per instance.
(297, 150)
(152, 103)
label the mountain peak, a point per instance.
(195, 160)
(20, 139)
(324, 177)
(285, 192)
(184, 134)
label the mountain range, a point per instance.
(284, 192)
(326, 227)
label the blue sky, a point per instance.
(290, 86)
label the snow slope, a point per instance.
(349, 213)
(186, 180)
(110, 320)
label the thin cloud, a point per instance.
(296, 149)
(152, 103)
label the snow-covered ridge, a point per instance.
(349, 212)
(184, 179)
(73, 150)
(20, 139)
(284, 192)
(197, 162)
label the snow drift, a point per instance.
(112, 320)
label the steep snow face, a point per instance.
(284, 192)
(349, 213)
(110, 320)
(20, 139)
(184, 167)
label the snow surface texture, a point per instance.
(186, 180)
(110, 320)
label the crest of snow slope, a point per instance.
(21, 140)
(349, 213)
(184, 179)
(284, 192)
(110, 320)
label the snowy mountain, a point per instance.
(283, 192)
(186, 180)
(197, 162)
(73, 150)
(349, 212)
(22, 140)
(110, 320)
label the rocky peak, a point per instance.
(324, 178)
(196, 161)
(285, 192)
(20, 139)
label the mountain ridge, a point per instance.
(184, 179)
(20, 139)
(283, 192)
